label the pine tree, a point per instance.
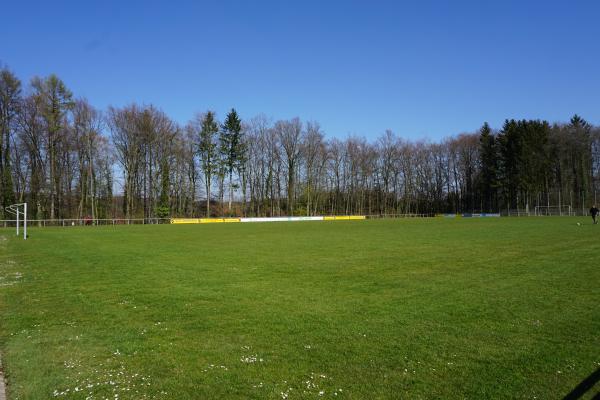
(231, 147)
(581, 166)
(508, 161)
(56, 100)
(207, 150)
(535, 159)
(10, 97)
(164, 210)
(489, 166)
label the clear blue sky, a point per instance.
(423, 69)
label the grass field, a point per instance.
(415, 309)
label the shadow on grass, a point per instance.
(585, 385)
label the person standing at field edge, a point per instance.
(594, 211)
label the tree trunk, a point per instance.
(290, 191)
(208, 198)
(230, 191)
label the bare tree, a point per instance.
(124, 132)
(87, 127)
(312, 149)
(289, 134)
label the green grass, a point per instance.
(435, 308)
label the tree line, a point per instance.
(67, 159)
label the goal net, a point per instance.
(553, 211)
(20, 212)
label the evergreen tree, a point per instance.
(489, 166)
(10, 97)
(578, 122)
(524, 162)
(581, 163)
(207, 150)
(508, 163)
(231, 147)
(535, 159)
(164, 210)
(56, 100)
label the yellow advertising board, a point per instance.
(185, 220)
(344, 217)
(229, 220)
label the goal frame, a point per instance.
(17, 210)
(563, 211)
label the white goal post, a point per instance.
(553, 210)
(18, 210)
